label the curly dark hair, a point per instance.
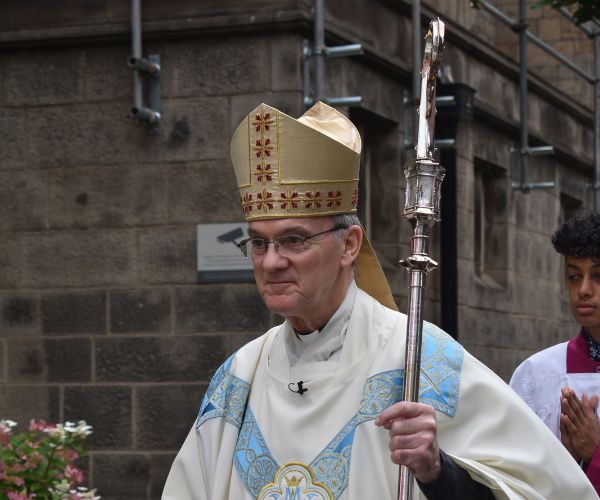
(579, 237)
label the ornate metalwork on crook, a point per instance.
(434, 46)
(422, 208)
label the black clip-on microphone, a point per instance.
(301, 390)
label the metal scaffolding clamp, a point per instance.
(524, 185)
(149, 68)
(593, 31)
(316, 55)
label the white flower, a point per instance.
(69, 426)
(61, 488)
(86, 494)
(7, 425)
(82, 430)
(59, 432)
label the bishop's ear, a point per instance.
(352, 242)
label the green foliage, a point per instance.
(586, 10)
(39, 463)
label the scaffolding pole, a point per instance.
(317, 53)
(597, 121)
(516, 27)
(593, 32)
(520, 27)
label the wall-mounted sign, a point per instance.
(219, 258)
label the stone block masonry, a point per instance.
(101, 317)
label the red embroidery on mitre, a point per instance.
(265, 200)
(264, 172)
(263, 148)
(313, 199)
(246, 202)
(355, 197)
(262, 122)
(289, 200)
(334, 199)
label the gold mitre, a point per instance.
(296, 168)
(304, 168)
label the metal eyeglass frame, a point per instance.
(242, 245)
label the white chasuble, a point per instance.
(255, 438)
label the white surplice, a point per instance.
(539, 378)
(255, 438)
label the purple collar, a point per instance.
(578, 356)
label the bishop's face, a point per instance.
(583, 278)
(300, 287)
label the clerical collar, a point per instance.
(299, 335)
(593, 346)
(326, 343)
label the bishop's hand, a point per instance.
(413, 438)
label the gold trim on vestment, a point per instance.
(319, 490)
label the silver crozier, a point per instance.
(422, 209)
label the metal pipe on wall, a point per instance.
(136, 48)
(317, 53)
(318, 49)
(149, 67)
(520, 27)
(515, 26)
(557, 55)
(523, 108)
(597, 121)
(593, 32)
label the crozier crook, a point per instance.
(422, 209)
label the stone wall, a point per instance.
(561, 34)
(502, 322)
(101, 317)
(545, 23)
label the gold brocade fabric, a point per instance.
(296, 168)
(370, 277)
(303, 168)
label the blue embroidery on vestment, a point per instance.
(332, 465)
(381, 391)
(441, 362)
(252, 458)
(226, 397)
(256, 466)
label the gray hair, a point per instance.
(345, 220)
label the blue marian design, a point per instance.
(441, 362)
(226, 397)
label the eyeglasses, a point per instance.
(285, 245)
